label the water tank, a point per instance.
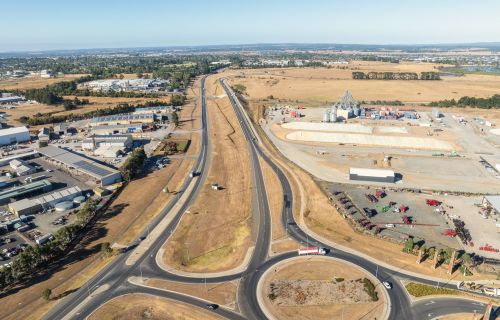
(333, 116)
(79, 200)
(350, 112)
(357, 111)
(63, 206)
(326, 116)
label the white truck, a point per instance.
(312, 250)
(494, 292)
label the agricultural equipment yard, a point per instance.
(425, 219)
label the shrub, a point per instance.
(422, 290)
(370, 289)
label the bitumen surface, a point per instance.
(116, 273)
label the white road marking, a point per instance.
(429, 315)
(430, 302)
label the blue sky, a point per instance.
(70, 24)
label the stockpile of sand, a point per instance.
(323, 126)
(364, 139)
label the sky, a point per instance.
(31, 25)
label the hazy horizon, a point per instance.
(63, 25)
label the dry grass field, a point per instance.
(296, 298)
(221, 293)
(142, 306)
(321, 86)
(35, 82)
(125, 219)
(215, 233)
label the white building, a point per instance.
(14, 135)
(21, 168)
(98, 141)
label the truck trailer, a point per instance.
(312, 250)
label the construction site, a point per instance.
(380, 165)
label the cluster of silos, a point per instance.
(330, 115)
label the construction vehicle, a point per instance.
(494, 292)
(312, 250)
(449, 233)
(380, 193)
(432, 202)
(406, 219)
(488, 248)
(385, 208)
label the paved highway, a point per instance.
(116, 274)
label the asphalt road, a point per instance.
(115, 274)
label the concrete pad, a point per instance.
(392, 129)
(323, 126)
(389, 141)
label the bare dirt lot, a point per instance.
(319, 288)
(224, 215)
(319, 86)
(141, 306)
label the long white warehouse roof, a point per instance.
(379, 173)
(14, 130)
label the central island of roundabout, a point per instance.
(321, 287)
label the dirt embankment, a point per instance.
(215, 233)
(142, 306)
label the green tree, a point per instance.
(175, 118)
(46, 293)
(106, 248)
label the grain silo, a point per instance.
(326, 116)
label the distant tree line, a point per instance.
(35, 260)
(492, 102)
(384, 102)
(395, 75)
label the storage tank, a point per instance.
(333, 116)
(350, 112)
(63, 206)
(326, 116)
(79, 200)
(357, 111)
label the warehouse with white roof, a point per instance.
(78, 164)
(14, 135)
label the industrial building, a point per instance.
(373, 175)
(493, 203)
(24, 191)
(14, 99)
(27, 206)
(14, 135)
(62, 129)
(44, 135)
(147, 118)
(117, 129)
(156, 109)
(27, 155)
(347, 107)
(78, 164)
(21, 168)
(98, 141)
